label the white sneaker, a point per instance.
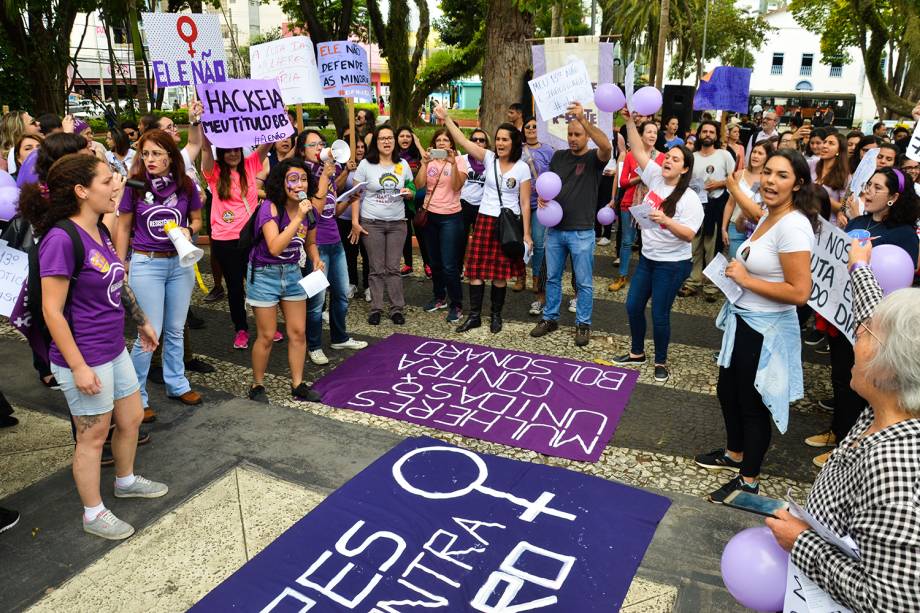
(367, 295)
(536, 308)
(603, 241)
(325, 317)
(318, 357)
(573, 305)
(350, 344)
(352, 290)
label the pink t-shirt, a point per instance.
(444, 200)
(229, 216)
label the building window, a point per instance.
(836, 67)
(777, 67)
(884, 60)
(807, 61)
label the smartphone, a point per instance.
(807, 122)
(752, 503)
(438, 154)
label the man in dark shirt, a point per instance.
(580, 169)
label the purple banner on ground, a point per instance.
(549, 404)
(430, 526)
(244, 113)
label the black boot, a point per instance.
(473, 318)
(497, 295)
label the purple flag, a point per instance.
(430, 526)
(724, 89)
(549, 404)
(21, 319)
(244, 113)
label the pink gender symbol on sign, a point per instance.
(192, 34)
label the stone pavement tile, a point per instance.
(40, 445)
(647, 596)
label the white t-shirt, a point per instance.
(382, 200)
(713, 167)
(792, 233)
(473, 186)
(659, 244)
(511, 186)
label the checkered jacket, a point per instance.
(866, 293)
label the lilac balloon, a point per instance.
(609, 98)
(647, 101)
(550, 215)
(7, 180)
(893, 267)
(754, 569)
(549, 185)
(27, 172)
(606, 216)
(9, 198)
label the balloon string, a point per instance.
(204, 288)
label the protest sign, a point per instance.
(629, 83)
(553, 405)
(913, 147)
(726, 88)
(554, 91)
(863, 172)
(716, 273)
(244, 113)
(185, 49)
(291, 62)
(831, 290)
(344, 70)
(433, 526)
(14, 270)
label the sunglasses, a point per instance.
(477, 140)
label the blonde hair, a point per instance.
(11, 129)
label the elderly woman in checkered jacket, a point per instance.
(869, 489)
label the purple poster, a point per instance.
(244, 113)
(430, 526)
(549, 404)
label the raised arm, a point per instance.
(459, 137)
(193, 147)
(636, 146)
(748, 206)
(604, 148)
(207, 156)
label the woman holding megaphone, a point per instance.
(162, 285)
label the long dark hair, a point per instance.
(176, 162)
(767, 146)
(410, 153)
(224, 177)
(300, 145)
(869, 139)
(803, 199)
(669, 206)
(66, 173)
(120, 143)
(54, 148)
(906, 209)
(372, 155)
(517, 140)
(840, 169)
(274, 185)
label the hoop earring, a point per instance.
(891, 203)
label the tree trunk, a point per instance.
(140, 85)
(663, 32)
(557, 27)
(507, 60)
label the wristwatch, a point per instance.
(196, 122)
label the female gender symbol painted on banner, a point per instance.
(191, 36)
(533, 508)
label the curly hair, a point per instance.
(61, 202)
(54, 148)
(176, 162)
(274, 186)
(517, 141)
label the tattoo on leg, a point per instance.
(85, 422)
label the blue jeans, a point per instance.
(443, 236)
(538, 233)
(735, 239)
(580, 245)
(163, 290)
(333, 257)
(660, 282)
(628, 232)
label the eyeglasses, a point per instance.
(153, 154)
(385, 139)
(864, 327)
(170, 128)
(911, 169)
(531, 127)
(311, 145)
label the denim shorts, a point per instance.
(267, 285)
(119, 380)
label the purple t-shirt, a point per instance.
(151, 213)
(95, 313)
(327, 231)
(260, 255)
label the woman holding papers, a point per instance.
(760, 365)
(163, 287)
(282, 231)
(665, 261)
(866, 494)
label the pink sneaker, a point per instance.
(278, 337)
(241, 340)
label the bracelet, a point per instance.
(196, 123)
(856, 266)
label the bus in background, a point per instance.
(820, 109)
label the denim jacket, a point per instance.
(779, 373)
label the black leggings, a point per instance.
(233, 261)
(847, 403)
(351, 255)
(748, 423)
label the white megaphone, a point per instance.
(340, 152)
(189, 254)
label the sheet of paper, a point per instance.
(14, 266)
(629, 82)
(357, 190)
(863, 172)
(913, 147)
(716, 272)
(697, 185)
(641, 212)
(805, 596)
(314, 283)
(528, 253)
(845, 544)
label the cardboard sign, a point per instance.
(244, 113)
(553, 405)
(433, 527)
(291, 62)
(831, 289)
(554, 91)
(14, 270)
(913, 147)
(185, 49)
(344, 70)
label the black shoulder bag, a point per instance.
(510, 224)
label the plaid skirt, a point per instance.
(485, 258)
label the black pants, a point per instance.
(747, 419)
(847, 403)
(419, 236)
(351, 255)
(6, 409)
(470, 211)
(233, 261)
